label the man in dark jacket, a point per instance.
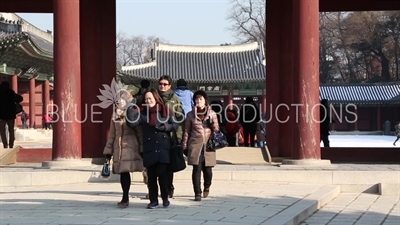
(325, 121)
(144, 86)
(8, 110)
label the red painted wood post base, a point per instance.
(32, 103)
(67, 137)
(306, 134)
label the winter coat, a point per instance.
(156, 139)
(260, 131)
(397, 130)
(8, 101)
(186, 97)
(174, 103)
(125, 145)
(196, 134)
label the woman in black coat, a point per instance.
(157, 122)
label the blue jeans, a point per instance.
(259, 144)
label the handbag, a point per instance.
(105, 171)
(176, 160)
(217, 141)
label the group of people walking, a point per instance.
(146, 126)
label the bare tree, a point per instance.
(134, 50)
(248, 20)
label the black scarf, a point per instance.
(166, 95)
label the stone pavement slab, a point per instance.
(230, 202)
(358, 209)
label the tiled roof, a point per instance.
(232, 63)
(42, 44)
(377, 93)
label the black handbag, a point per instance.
(176, 160)
(105, 171)
(217, 141)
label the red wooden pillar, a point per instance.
(286, 114)
(67, 83)
(108, 55)
(378, 118)
(272, 74)
(306, 141)
(91, 69)
(264, 103)
(32, 103)
(14, 83)
(46, 96)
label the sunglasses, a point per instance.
(163, 84)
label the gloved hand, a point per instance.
(160, 126)
(108, 156)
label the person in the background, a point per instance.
(397, 132)
(47, 121)
(260, 134)
(124, 146)
(24, 119)
(8, 113)
(249, 116)
(232, 128)
(185, 95)
(325, 121)
(174, 103)
(144, 86)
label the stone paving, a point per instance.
(95, 204)
(358, 209)
(223, 167)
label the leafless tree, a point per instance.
(134, 50)
(248, 20)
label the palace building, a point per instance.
(26, 61)
(234, 72)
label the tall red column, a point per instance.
(306, 141)
(14, 83)
(32, 103)
(46, 96)
(108, 55)
(67, 135)
(272, 75)
(286, 114)
(91, 69)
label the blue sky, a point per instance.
(192, 22)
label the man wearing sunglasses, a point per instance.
(173, 102)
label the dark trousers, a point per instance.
(170, 182)
(125, 180)
(396, 140)
(325, 140)
(25, 125)
(196, 177)
(158, 170)
(249, 131)
(231, 141)
(10, 125)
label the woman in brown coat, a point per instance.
(199, 125)
(124, 145)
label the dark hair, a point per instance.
(157, 97)
(145, 84)
(5, 85)
(166, 77)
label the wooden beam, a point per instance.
(358, 5)
(26, 6)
